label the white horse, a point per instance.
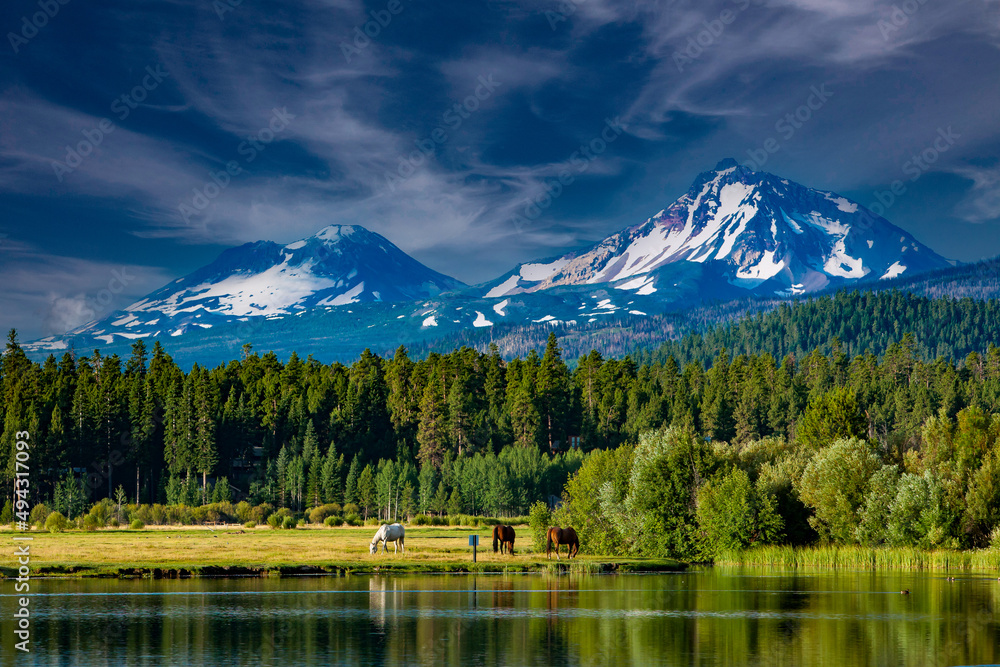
(394, 533)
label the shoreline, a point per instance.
(347, 569)
(233, 551)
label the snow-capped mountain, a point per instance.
(735, 233)
(752, 229)
(338, 266)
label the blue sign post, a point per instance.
(473, 542)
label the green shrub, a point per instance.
(733, 513)
(319, 514)
(143, 513)
(38, 515)
(219, 512)
(250, 524)
(7, 514)
(421, 520)
(91, 522)
(242, 511)
(351, 508)
(439, 521)
(114, 523)
(455, 520)
(353, 520)
(261, 512)
(158, 513)
(289, 522)
(55, 522)
(137, 524)
(100, 513)
(277, 519)
(539, 521)
(333, 521)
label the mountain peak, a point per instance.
(726, 163)
(745, 229)
(337, 232)
(338, 266)
(333, 234)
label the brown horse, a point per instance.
(503, 536)
(559, 537)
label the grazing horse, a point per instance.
(504, 537)
(559, 537)
(394, 533)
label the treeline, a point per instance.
(398, 435)
(871, 318)
(681, 496)
(863, 321)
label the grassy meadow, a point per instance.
(234, 550)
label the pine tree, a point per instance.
(440, 502)
(524, 417)
(331, 475)
(460, 418)
(351, 486)
(553, 392)
(206, 406)
(282, 466)
(432, 431)
(314, 485)
(427, 481)
(366, 489)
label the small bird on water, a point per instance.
(905, 591)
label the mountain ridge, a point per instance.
(736, 233)
(761, 232)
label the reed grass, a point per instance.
(863, 558)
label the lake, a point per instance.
(706, 616)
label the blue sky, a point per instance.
(200, 124)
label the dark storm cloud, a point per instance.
(193, 125)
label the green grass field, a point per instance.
(169, 551)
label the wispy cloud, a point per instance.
(982, 202)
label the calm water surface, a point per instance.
(709, 616)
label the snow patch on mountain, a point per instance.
(504, 288)
(269, 292)
(894, 271)
(539, 272)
